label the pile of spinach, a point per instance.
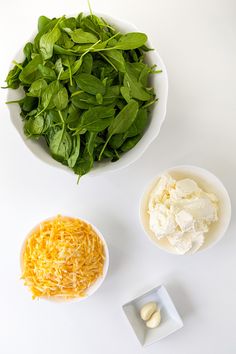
(86, 89)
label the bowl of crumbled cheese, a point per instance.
(186, 209)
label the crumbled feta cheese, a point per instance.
(185, 187)
(184, 220)
(162, 221)
(182, 212)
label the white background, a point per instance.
(196, 39)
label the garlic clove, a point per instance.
(147, 310)
(155, 320)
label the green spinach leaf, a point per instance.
(47, 73)
(75, 151)
(34, 126)
(116, 58)
(60, 99)
(130, 143)
(37, 88)
(131, 41)
(61, 145)
(96, 119)
(80, 36)
(90, 84)
(85, 163)
(43, 22)
(48, 40)
(122, 122)
(30, 72)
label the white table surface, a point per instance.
(196, 39)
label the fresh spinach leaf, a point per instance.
(28, 104)
(30, 72)
(83, 100)
(59, 66)
(87, 64)
(48, 94)
(43, 22)
(12, 79)
(28, 50)
(122, 122)
(117, 140)
(136, 89)
(116, 58)
(99, 98)
(131, 40)
(47, 73)
(125, 91)
(144, 74)
(34, 126)
(45, 27)
(111, 95)
(96, 119)
(48, 40)
(130, 143)
(85, 163)
(37, 88)
(61, 145)
(71, 70)
(68, 23)
(124, 119)
(60, 99)
(65, 41)
(75, 151)
(139, 124)
(90, 84)
(80, 36)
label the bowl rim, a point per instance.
(199, 171)
(95, 286)
(108, 166)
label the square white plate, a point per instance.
(170, 319)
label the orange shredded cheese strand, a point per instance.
(63, 257)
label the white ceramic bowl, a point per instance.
(208, 182)
(93, 288)
(160, 84)
(170, 319)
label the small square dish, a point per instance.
(170, 319)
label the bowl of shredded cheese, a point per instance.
(64, 259)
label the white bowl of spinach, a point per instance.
(90, 93)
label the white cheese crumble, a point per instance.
(182, 212)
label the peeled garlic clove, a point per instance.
(147, 310)
(155, 320)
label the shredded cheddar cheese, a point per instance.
(62, 257)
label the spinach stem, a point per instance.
(38, 114)
(17, 101)
(62, 119)
(90, 9)
(76, 93)
(69, 68)
(18, 65)
(150, 103)
(117, 155)
(58, 78)
(104, 147)
(104, 57)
